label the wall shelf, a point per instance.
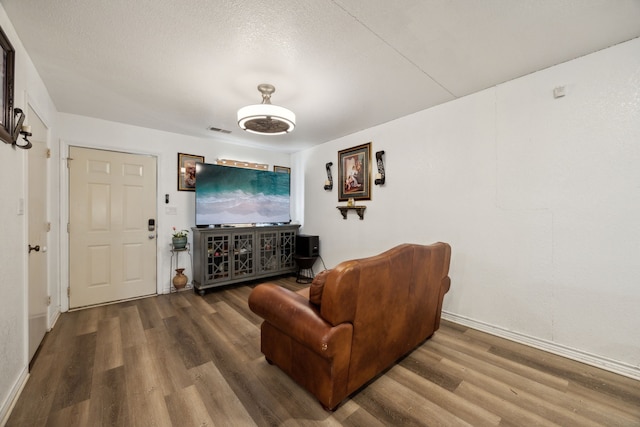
(345, 209)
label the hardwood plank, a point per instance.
(72, 416)
(394, 404)
(426, 365)
(187, 409)
(510, 413)
(109, 403)
(242, 334)
(610, 384)
(74, 382)
(445, 399)
(488, 353)
(88, 320)
(264, 408)
(201, 305)
(63, 335)
(131, 328)
(192, 351)
(514, 391)
(144, 392)
(359, 418)
(149, 312)
(218, 396)
(172, 374)
(295, 401)
(34, 405)
(108, 345)
(165, 308)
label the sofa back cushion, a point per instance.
(393, 301)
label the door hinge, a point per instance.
(49, 300)
(48, 227)
(68, 227)
(68, 159)
(69, 291)
(48, 153)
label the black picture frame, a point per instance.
(187, 171)
(354, 173)
(7, 64)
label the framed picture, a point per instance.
(187, 171)
(281, 169)
(354, 173)
(6, 86)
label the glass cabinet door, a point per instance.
(267, 251)
(242, 254)
(287, 249)
(217, 265)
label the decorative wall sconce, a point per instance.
(19, 129)
(380, 175)
(328, 184)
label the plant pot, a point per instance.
(179, 242)
(180, 280)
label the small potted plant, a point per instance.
(179, 238)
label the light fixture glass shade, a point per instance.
(266, 118)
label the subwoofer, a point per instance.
(307, 246)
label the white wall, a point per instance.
(82, 131)
(29, 90)
(539, 198)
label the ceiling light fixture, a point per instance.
(265, 118)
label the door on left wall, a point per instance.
(38, 233)
(112, 236)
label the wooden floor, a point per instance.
(186, 360)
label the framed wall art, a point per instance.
(6, 86)
(282, 169)
(187, 171)
(354, 173)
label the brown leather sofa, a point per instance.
(355, 320)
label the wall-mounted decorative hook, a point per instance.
(19, 129)
(380, 178)
(328, 184)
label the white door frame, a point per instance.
(64, 210)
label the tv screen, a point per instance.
(229, 195)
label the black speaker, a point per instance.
(307, 246)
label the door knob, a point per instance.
(34, 248)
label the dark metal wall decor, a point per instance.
(380, 177)
(18, 130)
(328, 184)
(7, 61)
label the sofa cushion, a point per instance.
(316, 288)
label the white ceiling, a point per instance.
(341, 65)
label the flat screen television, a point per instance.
(228, 195)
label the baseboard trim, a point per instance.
(12, 398)
(564, 351)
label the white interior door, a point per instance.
(38, 229)
(112, 251)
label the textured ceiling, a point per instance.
(342, 66)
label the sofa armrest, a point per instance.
(292, 314)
